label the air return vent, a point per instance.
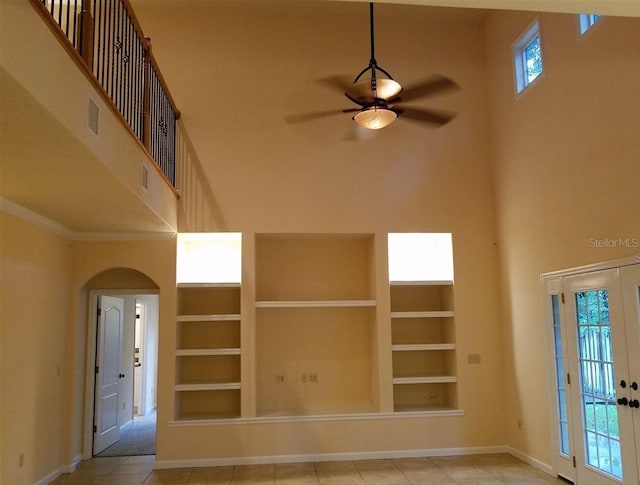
(93, 116)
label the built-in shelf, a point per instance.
(315, 316)
(416, 347)
(209, 285)
(422, 283)
(316, 304)
(208, 318)
(207, 386)
(208, 351)
(423, 314)
(198, 352)
(425, 380)
(423, 346)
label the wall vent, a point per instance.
(145, 177)
(94, 113)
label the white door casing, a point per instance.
(630, 278)
(108, 372)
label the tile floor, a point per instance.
(496, 469)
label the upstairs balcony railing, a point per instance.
(108, 38)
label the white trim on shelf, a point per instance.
(227, 317)
(199, 352)
(423, 314)
(412, 347)
(432, 413)
(422, 283)
(316, 304)
(220, 386)
(210, 285)
(424, 380)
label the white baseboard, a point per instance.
(371, 455)
(69, 468)
(540, 465)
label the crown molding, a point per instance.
(50, 225)
(34, 218)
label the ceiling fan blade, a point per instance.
(430, 86)
(340, 84)
(315, 115)
(431, 117)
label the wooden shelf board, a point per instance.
(316, 304)
(426, 408)
(423, 314)
(422, 283)
(414, 347)
(209, 285)
(197, 352)
(230, 317)
(424, 380)
(219, 386)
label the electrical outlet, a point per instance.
(304, 378)
(279, 378)
(473, 359)
(313, 378)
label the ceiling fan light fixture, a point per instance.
(374, 117)
(385, 89)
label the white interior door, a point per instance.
(630, 276)
(108, 374)
(603, 426)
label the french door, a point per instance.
(595, 328)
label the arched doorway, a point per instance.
(121, 363)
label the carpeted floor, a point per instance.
(136, 438)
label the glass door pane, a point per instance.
(561, 392)
(597, 391)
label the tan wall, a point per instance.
(35, 289)
(250, 66)
(566, 162)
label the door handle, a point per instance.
(634, 386)
(634, 404)
(623, 401)
(121, 376)
(623, 383)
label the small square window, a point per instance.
(527, 53)
(587, 20)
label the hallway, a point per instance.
(136, 438)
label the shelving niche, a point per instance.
(423, 346)
(208, 351)
(315, 324)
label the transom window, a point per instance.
(528, 57)
(587, 20)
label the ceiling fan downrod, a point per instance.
(391, 88)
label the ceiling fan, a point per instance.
(379, 96)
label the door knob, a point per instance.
(634, 404)
(623, 401)
(623, 384)
(634, 386)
